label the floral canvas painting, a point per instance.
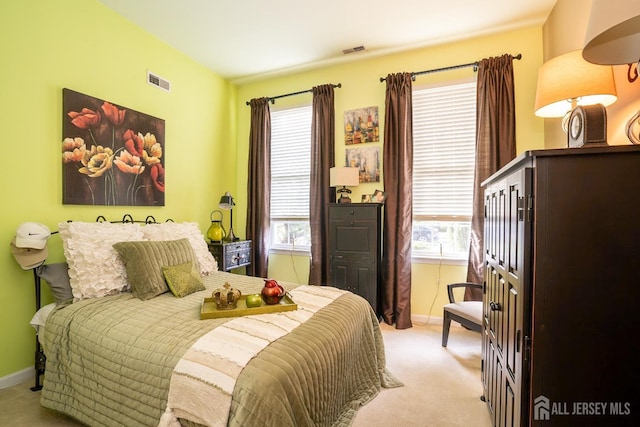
(111, 155)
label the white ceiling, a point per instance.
(246, 39)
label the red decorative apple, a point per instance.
(272, 292)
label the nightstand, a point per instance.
(231, 255)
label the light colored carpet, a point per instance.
(441, 385)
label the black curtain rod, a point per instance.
(453, 67)
(272, 99)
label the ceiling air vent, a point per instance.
(158, 81)
(353, 50)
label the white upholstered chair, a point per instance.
(467, 313)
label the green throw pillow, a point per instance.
(182, 279)
(144, 260)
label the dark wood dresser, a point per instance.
(355, 248)
(562, 282)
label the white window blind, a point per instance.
(290, 162)
(444, 124)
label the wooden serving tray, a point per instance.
(209, 310)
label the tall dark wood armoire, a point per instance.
(562, 286)
(355, 248)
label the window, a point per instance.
(290, 166)
(444, 133)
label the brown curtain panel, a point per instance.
(495, 147)
(322, 158)
(397, 164)
(259, 187)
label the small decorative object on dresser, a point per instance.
(587, 126)
(231, 255)
(378, 196)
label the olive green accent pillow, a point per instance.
(183, 279)
(144, 260)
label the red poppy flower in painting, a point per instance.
(86, 119)
(113, 114)
(134, 143)
(157, 176)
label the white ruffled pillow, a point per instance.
(95, 268)
(189, 230)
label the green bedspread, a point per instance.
(109, 361)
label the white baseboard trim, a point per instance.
(17, 378)
(421, 319)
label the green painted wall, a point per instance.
(79, 44)
(361, 87)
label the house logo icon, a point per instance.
(541, 408)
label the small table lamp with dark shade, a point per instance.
(226, 202)
(343, 176)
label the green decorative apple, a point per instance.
(254, 300)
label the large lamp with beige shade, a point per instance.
(568, 84)
(567, 81)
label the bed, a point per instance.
(120, 355)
